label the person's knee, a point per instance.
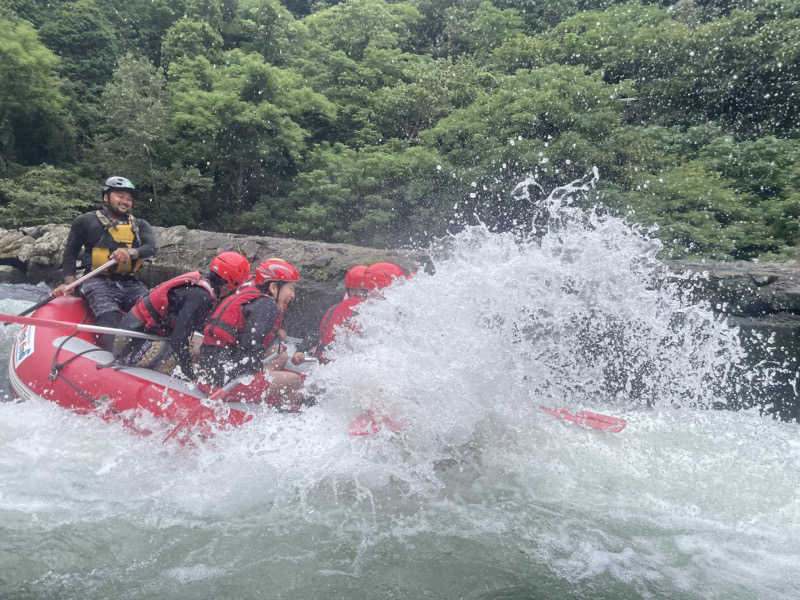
(108, 319)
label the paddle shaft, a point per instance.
(22, 320)
(70, 286)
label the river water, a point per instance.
(483, 495)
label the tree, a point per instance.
(378, 196)
(699, 213)
(236, 126)
(134, 140)
(190, 38)
(266, 27)
(84, 38)
(476, 27)
(35, 126)
(44, 194)
(352, 26)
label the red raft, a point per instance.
(69, 369)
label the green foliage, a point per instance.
(551, 121)
(134, 138)
(85, 40)
(350, 27)
(475, 27)
(45, 194)
(34, 124)
(366, 121)
(378, 195)
(141, 24)
(235, 126)
(698, 212)
(190, 38)
(266, 27)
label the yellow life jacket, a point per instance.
(116, 235)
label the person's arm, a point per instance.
(260, 315)
(72, 248)
(194, 305)
(147, 241)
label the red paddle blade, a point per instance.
(368, 423)
(588, 418)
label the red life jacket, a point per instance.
(227, 320)
(152, 308)
(336, 316)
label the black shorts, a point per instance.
(112, 294)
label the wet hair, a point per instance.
(264, 287)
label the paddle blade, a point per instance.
(588, 418)
(368, 423)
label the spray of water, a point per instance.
(483, 495)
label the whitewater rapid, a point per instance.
(483, 495)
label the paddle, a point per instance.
(71, 286)
(368, 423)
(187, 419)
(589, 418)
(78, 327)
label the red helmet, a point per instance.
(275, 269)
(382, 274)
(354, 278)
(232, 267)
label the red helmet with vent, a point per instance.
(232, 267)
(275, 269)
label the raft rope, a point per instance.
(56, 367)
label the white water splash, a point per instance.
(483, 495)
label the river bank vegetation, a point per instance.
(378, 123)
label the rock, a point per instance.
(745, 288)
(11, 274)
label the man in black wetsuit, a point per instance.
(176, 308)
(111, 232)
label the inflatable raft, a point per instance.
(70, 369)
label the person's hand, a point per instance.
(122, 255)
(282, 359)
(298, 358)
(61, 290)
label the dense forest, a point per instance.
(377, 122)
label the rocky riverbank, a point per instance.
(754, 293)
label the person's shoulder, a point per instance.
(85, 220)
(141, 222)
(87, 216)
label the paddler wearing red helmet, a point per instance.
(360, 282)
(245, 329)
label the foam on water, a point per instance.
(483, 495)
